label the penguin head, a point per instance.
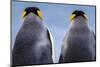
(78, 13)
(34, 10)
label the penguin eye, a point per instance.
(23, 14)
(39, 14)
(72, 16)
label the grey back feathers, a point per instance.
(32, 44)
(79, 43)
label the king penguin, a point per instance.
(33, 44)
(79, 42)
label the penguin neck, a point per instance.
(33, 20)
(79, 21)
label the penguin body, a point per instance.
(32, 44)
(79, 43)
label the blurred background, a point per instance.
(55, 16)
